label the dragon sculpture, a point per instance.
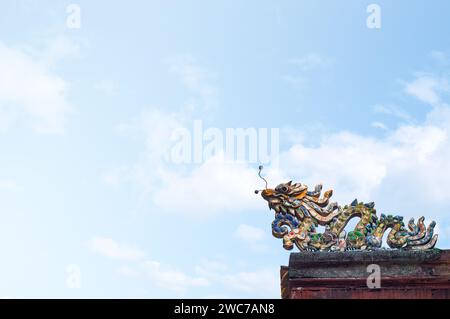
(303, 211)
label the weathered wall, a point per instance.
(404, 274)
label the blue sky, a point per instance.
(87, 117)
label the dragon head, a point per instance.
(285, 192)
(282, 193)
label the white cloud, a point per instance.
(112, 178)
(161, 275)
(296, 81)
(263, 282)
(59, 48)
(427, 88)
(30, 92)
(214, 274)
(110, 248)
(160, 179)
(212, 269)
(379, 125)
(127, 271)
(358, 166)
(393, 111)
(171, 279)
(197, 80)
(440, 57)
(8, 185)
(310, 61)
(260, 282)
(354, 165)
(155, 128)
(211, 184)
(413, 158)
(214, 187)
(305, 64)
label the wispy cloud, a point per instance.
(440, 57)
(8, 185)
(176, 280)
(30, 93)
(59, 49)
(161, 275)
(303, 69)
(110, 248)
(159, 179)
(259, 282)
(198, 80)
(379, 125)
(213, 274)
(427, 88)
(296, 81)
(356, 164)
(236, 181)
(393, 110)
(310, 61)
(413, 155)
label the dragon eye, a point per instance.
(282, 189)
